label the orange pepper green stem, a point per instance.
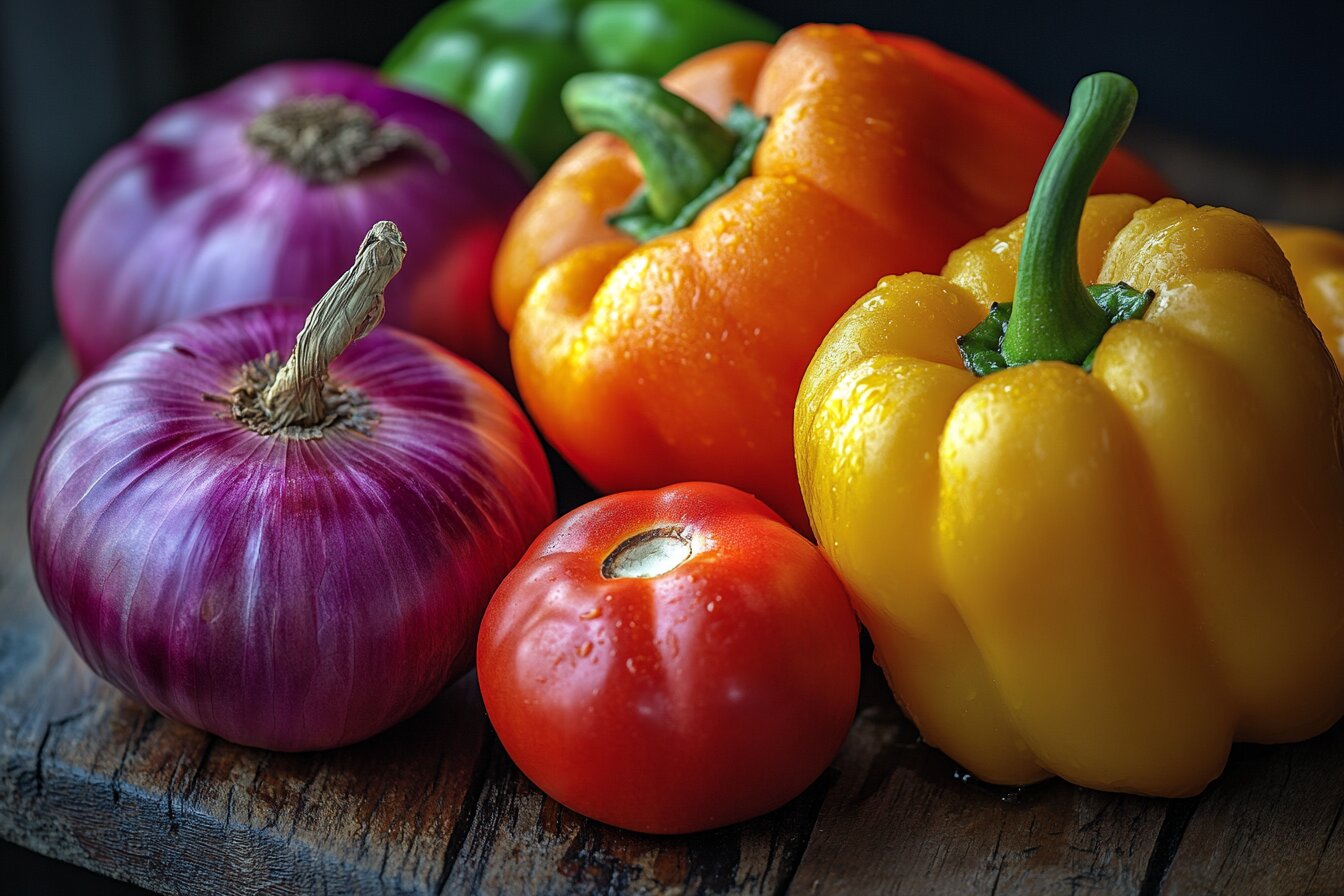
(680, 148)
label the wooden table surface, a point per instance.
(435, 806)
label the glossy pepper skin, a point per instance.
(503, 62)
(679, 358)
(1107, 576)
(1317, 257)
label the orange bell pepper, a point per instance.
(678, 357)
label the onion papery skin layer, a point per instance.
(285, 593)
(188, 217)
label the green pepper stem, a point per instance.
(1054, 316)
(681, 149)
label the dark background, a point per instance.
(1228, 87)
(1240, 105)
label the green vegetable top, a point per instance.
(503, 62)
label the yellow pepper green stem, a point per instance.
(1054, 316)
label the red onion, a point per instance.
(288, 166)
(287, 559)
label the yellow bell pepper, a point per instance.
(1317, 256)
(1121, 547)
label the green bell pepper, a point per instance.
(503, 62)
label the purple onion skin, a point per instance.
(282, 593)
(158, 229)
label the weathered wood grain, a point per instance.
(435, 806)
(901, 819)
(521, 841)
(1270, 824)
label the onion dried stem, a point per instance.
(349, 310)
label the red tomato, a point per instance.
(671, 661)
